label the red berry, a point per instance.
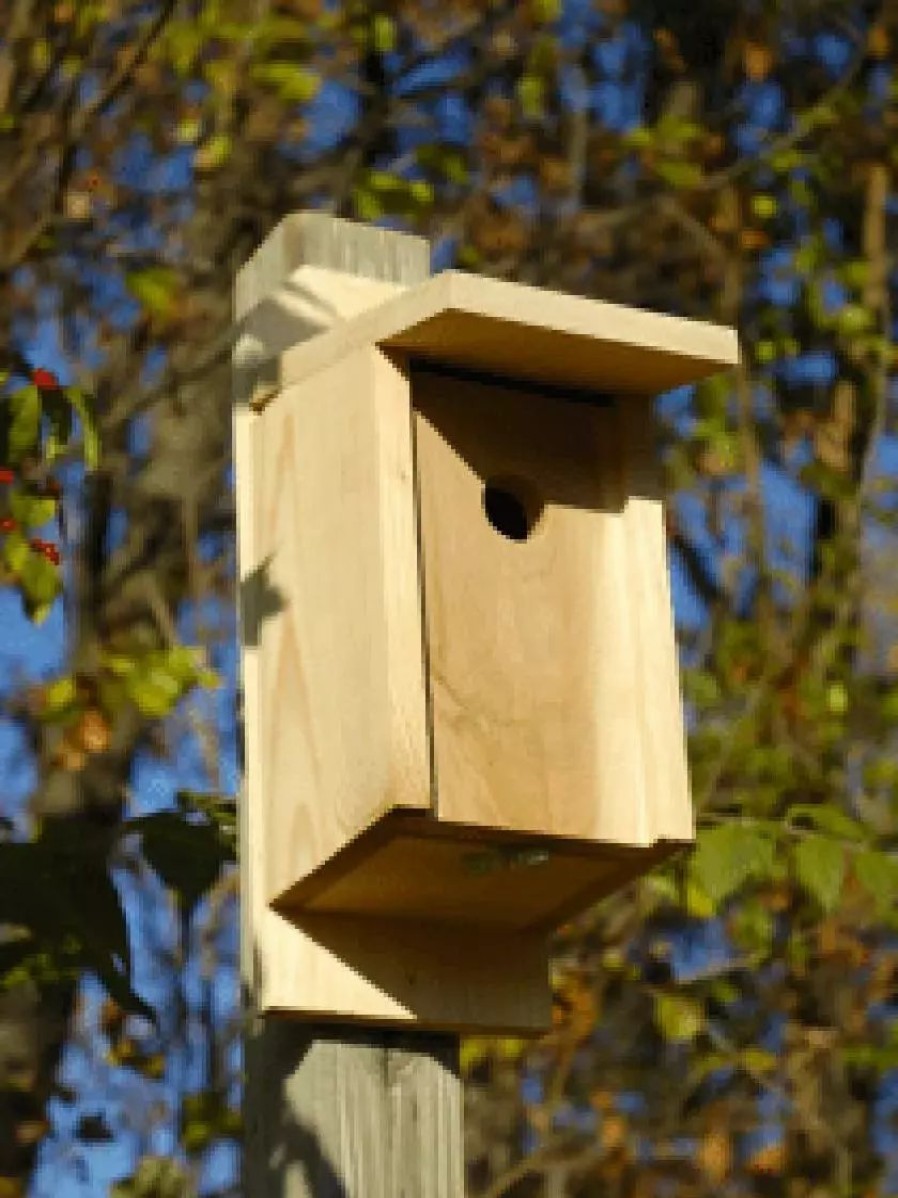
(6, 476)
(45, 549)
(7, 524)
(45, 380)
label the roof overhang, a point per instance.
(528, 333)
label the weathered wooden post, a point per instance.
(461, 699)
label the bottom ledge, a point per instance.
(421, 924)
(396, 973)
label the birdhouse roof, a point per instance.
(528, 333)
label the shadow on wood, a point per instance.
(321, 1126)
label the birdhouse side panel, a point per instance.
(531, 633)
(343, 734)
(670, 816)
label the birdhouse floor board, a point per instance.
(423, 869)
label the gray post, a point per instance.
(336, 1112)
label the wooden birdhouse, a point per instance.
(467, 714)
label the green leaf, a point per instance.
(382, 192)
(119, 664)
(275, 29)
(59, 699)
(24, 431)
(854, 319)
(674, 128)
(724, 992)
(15, 553)
(156, 1177)
(293, 82)
(531, 94)
(39, 612)
(421, 193)
(678, 1018)
(810, 255)
(889, 705)
(786, 160)
(828, 819)
(383, 34)
(32, 511)
(757, 1060)
(820, 867)
(698, 904)
(184, 663)
(59, 889)
(183, 42)
(752, 928)
(546, 11)
(837, 697)
(154, 288)
(704, 1066)
(764, 206)
(385, 182)
(878, 874)
(187, 856)
(662, 886)
(112, 694)
(40, 580)
(702, 688)
(80, 403)
(855, 274)
(726, 857)
(543, 57)
(867, 1056)
(214, 153)
(469, 257)
(189, 131)
(448, 161)
(367, 204)
(153, 690)
(679, 174)
(639, 138)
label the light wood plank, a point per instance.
(343, 713)
(360, 260)
(399, 972)
(478, 878)
(656, 662)
(530, 333)
(536, 705)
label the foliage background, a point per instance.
(727, 1026)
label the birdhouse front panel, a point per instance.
(533, 637)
